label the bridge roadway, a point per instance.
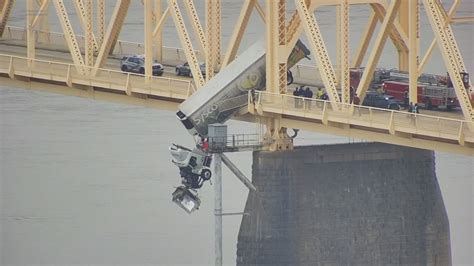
(52, 71)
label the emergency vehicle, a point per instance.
(433, 90)
(428, 96)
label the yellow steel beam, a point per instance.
(272, 45)
(378, 47)
(464, 19)
(89, 34)
(365, 40)
(41, 13)
(344, 53)
(43, 34)
(82, 15)
(112, 33)
(397, 34)
(148, 10)
(295, 28)
(319, 49)
(413, 35)
(159, 19)
(238, 32)
(260, 11)
(196, 24)
(450, 53)
(282, 45)
(5, 10)
(213, 37)
(69, 35)
(30, 33)
(403, 19)
(100, 22)
(186, 43)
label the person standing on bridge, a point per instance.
(415, 109)
(357, 102)
(308, 94)
(352, 92)
(296, 93)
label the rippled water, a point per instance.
(88, 182)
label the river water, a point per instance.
(88, 182)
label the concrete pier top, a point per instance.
(345, 204)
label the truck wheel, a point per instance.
(394, 106)
(206, 174)
(142, 70)
(124, 68)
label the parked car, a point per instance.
(136, 64)
(185, 70)
(385, 101)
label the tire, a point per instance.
(206, 174)
(394, 106)
(142, 71)
(124, 68)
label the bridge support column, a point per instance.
(345, 204)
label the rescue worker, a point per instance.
(308, 94)
(415, 109)
(357, 102)
(296, 93)
(319, 94)
(351, 94)
(204, 144)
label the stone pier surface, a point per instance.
(345, 204)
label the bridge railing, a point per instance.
(302, 73)
(364, 116)
(104, 78)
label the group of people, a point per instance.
(413, 108)
(307, 93)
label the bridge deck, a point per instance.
(390, 126)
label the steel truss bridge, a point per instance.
(64, 62)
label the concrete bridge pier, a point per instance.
(350, 204)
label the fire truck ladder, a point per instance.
(450, 52)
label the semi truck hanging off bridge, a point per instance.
(216, 102)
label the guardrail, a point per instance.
(364, 116)
(306, 74)
(105, 78)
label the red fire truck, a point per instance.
(428, 96)
(433, 90)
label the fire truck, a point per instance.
(432, 90)
(428, 96)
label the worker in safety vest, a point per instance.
(319, 93)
